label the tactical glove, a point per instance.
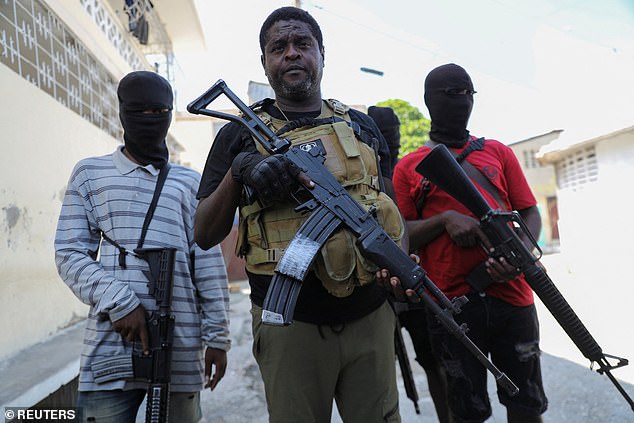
(272, 178)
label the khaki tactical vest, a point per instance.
(265, 231)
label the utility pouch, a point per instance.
(479, 279)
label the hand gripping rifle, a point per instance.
(441, 168)
(332, 206)
(155, 368)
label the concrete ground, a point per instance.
(576, 393)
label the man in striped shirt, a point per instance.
(100, 223)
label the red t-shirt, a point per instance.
(447, 264)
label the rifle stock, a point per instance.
(372, 240)
(441, 168)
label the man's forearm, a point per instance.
(422, 232)
(533, 221)
(214, 214)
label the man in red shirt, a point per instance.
(500, 313)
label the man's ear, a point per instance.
(263, 60)
(323, 56)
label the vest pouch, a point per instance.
(388, 216)
(268, 233)
(336, 262)
(349, 153)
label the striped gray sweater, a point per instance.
(112, 194)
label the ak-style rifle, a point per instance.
(332, 207)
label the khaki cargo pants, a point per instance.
(305, 366)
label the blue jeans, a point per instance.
(121, 406)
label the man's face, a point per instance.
(292, 60)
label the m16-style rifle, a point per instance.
(155, 368)
(331, 207)
(501, 228)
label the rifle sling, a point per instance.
(471, 171)
(150, 212)
(162, 177)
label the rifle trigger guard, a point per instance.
(309, 205)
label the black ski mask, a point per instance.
(449, 99)
(388, 123)
(144, 133)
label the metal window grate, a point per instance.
(577, 169)
(38, 46)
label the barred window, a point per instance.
(38, 46)
(529, 160)
(578, 168)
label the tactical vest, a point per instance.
(265, 231)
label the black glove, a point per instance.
(273, 177)
(243, 164)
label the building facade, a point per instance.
(541, 178)
(595, 201)
(60, 63)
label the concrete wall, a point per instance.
(542, 180)
(41, 142)
(594, 218)
(596, 243)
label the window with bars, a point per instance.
(578, 168)
(529, 160)
(38, 46)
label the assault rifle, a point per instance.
(406, 368)
(333, 207)
(155, 368)
(501, 228)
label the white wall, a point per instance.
(197, 133)
(41, 141)
(596, 243)
(595, 219)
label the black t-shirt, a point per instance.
(314, 304)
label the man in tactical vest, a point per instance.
(340, 345)
(500, 314)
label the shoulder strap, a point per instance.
(150, 212)
(146, 223)
(337, 106)
(483, 181)
(469, 169)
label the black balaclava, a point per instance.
(144, 133)
(388, 123)
(449, 111)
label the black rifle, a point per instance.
(332, 206)
(406, 369)
(501, 228)
(155, 368)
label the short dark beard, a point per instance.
(305, 89)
